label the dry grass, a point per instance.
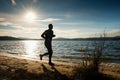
(106, 72)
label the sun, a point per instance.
(30, 16)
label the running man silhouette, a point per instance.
(48, 35)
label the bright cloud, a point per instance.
(67, 33)
(49, 20)
(114, 32)
(18, 27)
(13, 2)
(2, 19)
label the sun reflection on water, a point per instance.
(30, 47)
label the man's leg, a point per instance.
(41, 55)
(50, 55)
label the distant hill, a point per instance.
(98, 38)
(8, 38)
(15, 38)
(94, 38)
(106, 38)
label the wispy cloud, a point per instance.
(49, 20)
(70, 33)
(110, 33)
(9, 25)
(2, 19)
(26, 32)
(19, 31)
(5, 23)
(12, 25)
(79, 23)
(114, 32)
(34, 1)
(13, 2)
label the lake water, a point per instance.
(63, 49)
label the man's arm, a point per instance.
(53, 35)
(43, 35)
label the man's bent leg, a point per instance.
(47, 46)
(41, 55)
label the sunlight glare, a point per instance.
(30, 15)
(30, 47)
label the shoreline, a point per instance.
(63, 62)
(105, 59)
(44, 60)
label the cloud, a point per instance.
(114, 32)
(13, 2)
(27, 32)
(34, 1)
(4, 32)
(7, 27)
(10, 26)
(16, 21)
(110, 33)
(49, 20)
(11, 17)
(79, 23)
(2, 19)
(70, 33)
(5, 23)
(75, 33)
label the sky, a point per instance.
(70, 18)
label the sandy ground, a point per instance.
(15, 68)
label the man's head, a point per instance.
(50, 26)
